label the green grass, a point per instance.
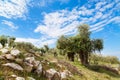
(89, 74)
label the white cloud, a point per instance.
(65, 22)
(44, 3)
(54, 23)
(37, 42)
(10, 24)
(13, 8)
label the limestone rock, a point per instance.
(15, 52)
(65, 74)
(14, 66)
(30, 59)
(9, 57)
(39, 69)
(1, 46)
(50, 73)
(4, 50)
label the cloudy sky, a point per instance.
(43, 21)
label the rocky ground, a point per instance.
(18, 65)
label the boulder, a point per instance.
(9, 57)
(14, 66)
(56, 76)
(1, 46)
(49, 73)
(30, 59)
(64, 74)
(20, 78)
(4, 50)
(15, 52)
(39, 69)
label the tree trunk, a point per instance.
(70, 56)
(81, 56)
(84, 58)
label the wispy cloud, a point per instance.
(44, 3)
(10, 24)
(13, 8)
(65, 22)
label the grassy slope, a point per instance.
(87, 73)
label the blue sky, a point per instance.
(43, 21)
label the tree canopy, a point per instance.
(80, 44)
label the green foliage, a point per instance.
(97, 44)
(3, 40)
(80, 43)
(11, 41)
(7, 39)
(106, 59)
(26, 46)
(46, 48)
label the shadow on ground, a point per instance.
(104, 69)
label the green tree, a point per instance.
(66, 44)
(81, 44)
(86, 45)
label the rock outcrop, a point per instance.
(14, 66)
(30, 63)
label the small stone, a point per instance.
(14, 76)
(20, 78)
(15, 52)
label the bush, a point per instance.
(95, 58)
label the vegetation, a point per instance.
(99, 59)
(3, 40)
(25, 46)
(7, 39)
(81, 44)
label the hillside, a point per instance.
(22, 65)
